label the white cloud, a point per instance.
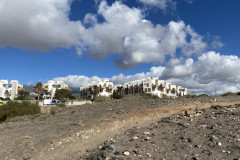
(136, 40)
(90, 19)
(45, 26)
(216, 42)
(76, 80)
(162, 4)
(34, 24)
(211, 73)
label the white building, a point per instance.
(104, 86)
(49, 88)
(148, 85)
(152, 86)
(10, 91)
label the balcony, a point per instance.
(140, 86)
(21, 89)
(163, 85)
(155, 85)
(109, 87)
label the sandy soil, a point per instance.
(76, 132)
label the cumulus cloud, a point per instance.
(127, 33)
(76, 80)
(124, 31)
(211, 74)
(34, 24)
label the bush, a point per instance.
(149, 95)
(202, 95)
(228, 94)
(238, 93)
(4, 99)
(101, 99)
(13, 109)
(116, 95)
(72, 97)
(190, 96)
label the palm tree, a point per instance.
(119, 88)
(38, 89)
(95, 91)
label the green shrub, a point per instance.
(4, 99)
(202, 95)
(228, 94)
(116, 95)
(101, 99)
(13, 109)
(190, 96)
(72, 97)
(238, 93)
(149, 95)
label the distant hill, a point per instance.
(28, 87)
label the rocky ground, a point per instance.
(191, 134)
(129, 128)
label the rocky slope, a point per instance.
(191, 134)
(76, 132)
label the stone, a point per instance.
(189, 113)
(126, 153)
(147, 139)
(135, 138)
(149, 155)
(146, 133)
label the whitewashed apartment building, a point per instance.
(10, 90)
(151, 85)
(49, 88)
(148, 85)
(104, 86)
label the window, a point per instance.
(149, 89)
(147, 84)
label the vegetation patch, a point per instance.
(101, 99)
(228, 94)
(13, 109)
(149, 95)
(116, 95)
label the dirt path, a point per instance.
(76, 145)
(70, 132)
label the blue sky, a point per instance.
(193, 43)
